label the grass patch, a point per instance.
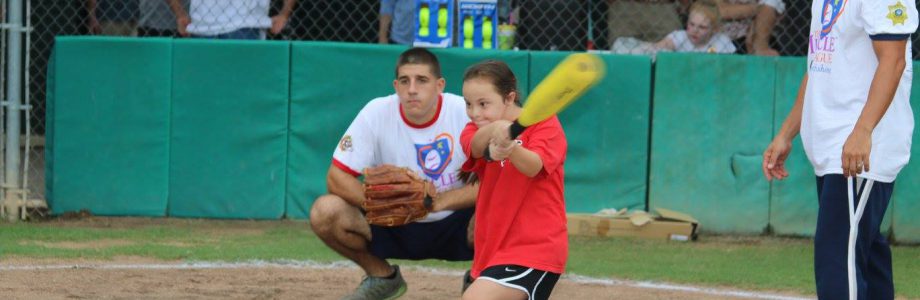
(760, 263)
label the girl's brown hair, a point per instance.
(499, 74)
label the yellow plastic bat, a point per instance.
(571, 78)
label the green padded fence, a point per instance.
(200, 128)
(109, 126)
(607, 132)
(229, 129)
(329, 85)
(794, 200)
(712, 115)
(906, 195)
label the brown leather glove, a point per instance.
(396, 196)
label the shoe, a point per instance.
(467, 281)
(376, 288)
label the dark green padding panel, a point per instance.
(229, 129)
(109, 124)
(794, 200)
(607, 132)
(906, 196)
(712, 117)
(331, 82)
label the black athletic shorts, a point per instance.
(538, 284)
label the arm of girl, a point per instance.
(527, 162)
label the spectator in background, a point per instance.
(112, 17)
(750, 23)
(156, 19)
(397, 22)
(229, 19)
(647, 20)
(703, 31)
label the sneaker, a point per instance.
(467, 281)
(376, 288)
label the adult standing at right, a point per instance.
(853, 109)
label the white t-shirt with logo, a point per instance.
(380, 134)
(841, 65)
(213, 17)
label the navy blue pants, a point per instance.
(872, 253)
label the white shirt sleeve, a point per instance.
(356, 150)
(677, 36)
(889, 17)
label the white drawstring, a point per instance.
(854, 226)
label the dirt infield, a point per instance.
(140, 278)
(150, 278)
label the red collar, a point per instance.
(437, 113)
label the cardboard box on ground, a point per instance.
(663, 224)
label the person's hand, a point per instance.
(92, 25)
(278, 23)
(855, 158)
(774, 159)
(501, 132)
(182, 25)
(500, 150)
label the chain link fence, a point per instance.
(618, 26)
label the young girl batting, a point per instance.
(520, 242)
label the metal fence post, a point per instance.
(11, 194)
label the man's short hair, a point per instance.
(420, 56)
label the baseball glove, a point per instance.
(396, 196)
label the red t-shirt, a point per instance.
(521, 220)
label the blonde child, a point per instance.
(702, 33)
(520, 242)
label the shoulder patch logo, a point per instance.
(345, 143)
(897, 13)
